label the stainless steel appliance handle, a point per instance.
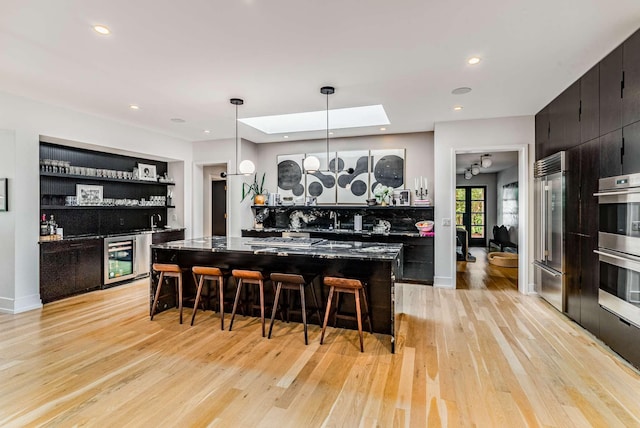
(629, 262)
(547, 270)
(618, 192)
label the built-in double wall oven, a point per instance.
(619, 246)
(119, 259)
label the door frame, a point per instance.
(525, 286)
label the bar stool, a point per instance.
(248, 277)
(350, 286)
(202, 274)
(290, 282)
(170, 271)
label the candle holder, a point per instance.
(422, 197)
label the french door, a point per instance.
(471, 213)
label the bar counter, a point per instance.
(378, 265)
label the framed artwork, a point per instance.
(353, 188)
(387, 168)
(88, 194)
(147, 172)
(321, 184)
(402, 197)
(290, 176)
(510, 205)
(4, 194)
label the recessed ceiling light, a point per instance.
(134, 107)
(178, 120)
(286, 136)
(461, 91)
(474, 60)
(457, 108)
(383, 129)
(101, 29)
(352, 117)
(206, 131)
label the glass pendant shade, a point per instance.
(486, 161)
(246, 167)
(311, 164)
(467, 174)
(475, 169)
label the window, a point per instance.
(471, 212)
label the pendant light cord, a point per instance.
(328, 163)
(237, 147)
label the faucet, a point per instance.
(154, 224)
(336, 222)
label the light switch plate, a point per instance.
(446, 222)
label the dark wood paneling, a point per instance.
(590, 105)
(542, 133)
(611, 92)
(611, 154)
(564, 121)
(572, 272)
(631, 156)
(631, 68)
(589, 174)
(589, 266)
(572, 188)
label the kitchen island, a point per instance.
(378, 265)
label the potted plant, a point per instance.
(382, 193)
(256, 190)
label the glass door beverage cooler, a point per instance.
(119, 259)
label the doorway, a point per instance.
(219, 208)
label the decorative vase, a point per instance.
(259, 199)
(384, 203)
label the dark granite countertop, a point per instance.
(410, 234)
(324, 249)
(131, 232)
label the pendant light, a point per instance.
(468, 174)
(475, 169)
(245, 167)
(486, 161)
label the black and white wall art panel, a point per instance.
(321, 184)
(387, 168)
(353, 188)
(290, 176)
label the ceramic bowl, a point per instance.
(425, 225)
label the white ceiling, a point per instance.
(186, 59)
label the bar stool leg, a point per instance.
(275, 307)
(326, 315)
(221, 296)
(235, 304)
(198, 293)
(359, 315)
(261, 283)
(315, 301)
(366, 308)
(155, 299)
(180, 296)
(304, 313)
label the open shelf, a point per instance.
(95, 178)
(102, 207)
(344, 207)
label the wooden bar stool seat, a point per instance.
(169, 271)
(248, 277)
(294, 282)
(349, 286)
(202, 274)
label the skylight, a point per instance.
(352, 117)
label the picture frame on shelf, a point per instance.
(147, 172)
(89, 195)
(4, 194)
(402, 197)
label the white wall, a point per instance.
(478, 136)
(27, 120)
(488, 180)
(8, 219)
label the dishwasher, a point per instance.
(143, 254)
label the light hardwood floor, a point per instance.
(483, 356)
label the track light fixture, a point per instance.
(485, 161)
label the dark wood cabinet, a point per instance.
(631, 149)
(69, 267)
(589, 283)
(572, 279)
(581, 181)
(621, 336)
(631, 79)
(542, 133)
(572, 187)
(611, 154)
(590, 105)
(564, 120)
(611, 92)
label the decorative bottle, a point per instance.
(44, 226)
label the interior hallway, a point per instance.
(484, 356)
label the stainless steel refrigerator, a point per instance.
(549, 217)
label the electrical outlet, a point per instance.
(446, 222)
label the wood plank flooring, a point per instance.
(482, 356)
